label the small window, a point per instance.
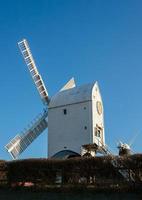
(98, 131)
(85, 127)
(65, 111)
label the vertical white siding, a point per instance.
(77, 127)
(98, 119)
(69, 131)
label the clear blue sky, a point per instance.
(88, 39)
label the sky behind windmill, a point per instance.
(88, 39)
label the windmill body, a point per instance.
(73, 116)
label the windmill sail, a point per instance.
(20, 142)
(26, 52)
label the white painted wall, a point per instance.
(77, 127)
(69, 131)
(98, 119)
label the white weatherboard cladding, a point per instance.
(71, 96)
(76, 127)
(98, 119)
(69, 131)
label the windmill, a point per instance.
(74, 116)
(125, 148)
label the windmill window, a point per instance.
(98, 131)
(65, 111)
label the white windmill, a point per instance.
(74, 116)
(125, 148)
